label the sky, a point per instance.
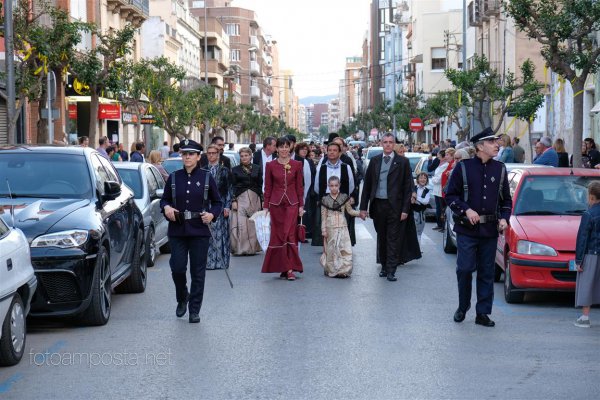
(314, 37)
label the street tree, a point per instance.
(566, 30)
(491, 97)
(44, 40)
(446, 104)
(100, 69)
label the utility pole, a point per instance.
(205, 43)
(10, 72)
(464, 58)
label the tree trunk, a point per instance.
(93, 127)
(138, 129)
(42, 124)
(578, 120)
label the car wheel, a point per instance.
(98, 311)
(136, 282)
(449, 247)
(150, 248)
(511, 295)
(12, 344)
(165, 248)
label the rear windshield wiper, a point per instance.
(539, 213)
(31, 196)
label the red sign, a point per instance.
(109, 111)
(72, 111)
(416, 124)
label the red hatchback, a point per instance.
(535, 250)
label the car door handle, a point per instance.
(9, 265)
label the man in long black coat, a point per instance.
(387, 192)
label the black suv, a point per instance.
(85, 232)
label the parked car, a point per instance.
(172, 164)
(449, 238)
(85, 232)
(17, 286)
(535, 250)
(148, 187)
(414, 159)
(369, 154)
(234, 157)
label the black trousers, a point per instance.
(196, 249)
(388, 227)
(475, 254)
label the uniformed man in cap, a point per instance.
(190, 202)
(481, 208)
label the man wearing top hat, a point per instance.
(481, 207)
(189, 214)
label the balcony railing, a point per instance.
(254, 92)
(492, 7)
(254, 67)
(254, 41)
(143, 5)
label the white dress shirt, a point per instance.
(334, 170)
(265, 159)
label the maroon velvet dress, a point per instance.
(284, 192)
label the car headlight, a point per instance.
(63, 240)
(535, 249)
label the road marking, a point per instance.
(426, 239)
(362, 232)
(7, 384)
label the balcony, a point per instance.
(492, 7)
(254, 41)
(254, 68)
(134, 11)
(409, 71)
(254, 92)
(474, 13)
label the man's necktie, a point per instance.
(386, 159)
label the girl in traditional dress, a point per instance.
(247, 193)
(337, 249)
(587, 259)
(219, 247)
(420, 201)
(284, 198)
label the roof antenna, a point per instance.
(12, 206)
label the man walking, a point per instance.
(482, 207)
(138, 154)
(164, 150)
(223, 159)
(263, 156)
(387, 192)
(190, 202)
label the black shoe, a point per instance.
(459, 315)
(181, 308)
(483, 319)
(382, 274)
(391, 277)
(194, 318)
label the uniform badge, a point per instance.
(198, 184)
(186, 142)
(492, 179)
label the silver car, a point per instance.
(148, 186)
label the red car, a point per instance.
(535, 250)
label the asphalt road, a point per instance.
(315, 338)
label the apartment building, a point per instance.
(288, 109)
(334, 115)
(302, 119)
(350, 89)
(317, 111)
(250, 52)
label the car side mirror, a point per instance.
(158, 194)
(112, 190)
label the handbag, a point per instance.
(300, 232)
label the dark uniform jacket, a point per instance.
(189, 190)
(483, 195)
(223, 159)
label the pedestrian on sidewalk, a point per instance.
(189, 218)
(387, 192)
(284, 199)
(436, 180)
(587, 249)
(481, 208)
(337, 249)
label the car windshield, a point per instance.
(373, 152)
(45, 175)
(553, 195)
(413, 162)
(131, 177)
(172, 165)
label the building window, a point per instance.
(438, 58)
(382, 48)
(234, 55)
(233, 29)
(197, 4)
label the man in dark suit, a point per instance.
(266, 154)
(223, 159)
(387, 192)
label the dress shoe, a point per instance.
(194, 318)
(382, 274)
(484, 320)
(459, 315)
(181, 308)
(391, 277)
(283, 275)
(291, 276)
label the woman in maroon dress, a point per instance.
(283, 198)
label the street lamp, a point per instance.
(393, 32)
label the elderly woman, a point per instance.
(154, 158)
(219, 247)
(247, 192)
(284, 198)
